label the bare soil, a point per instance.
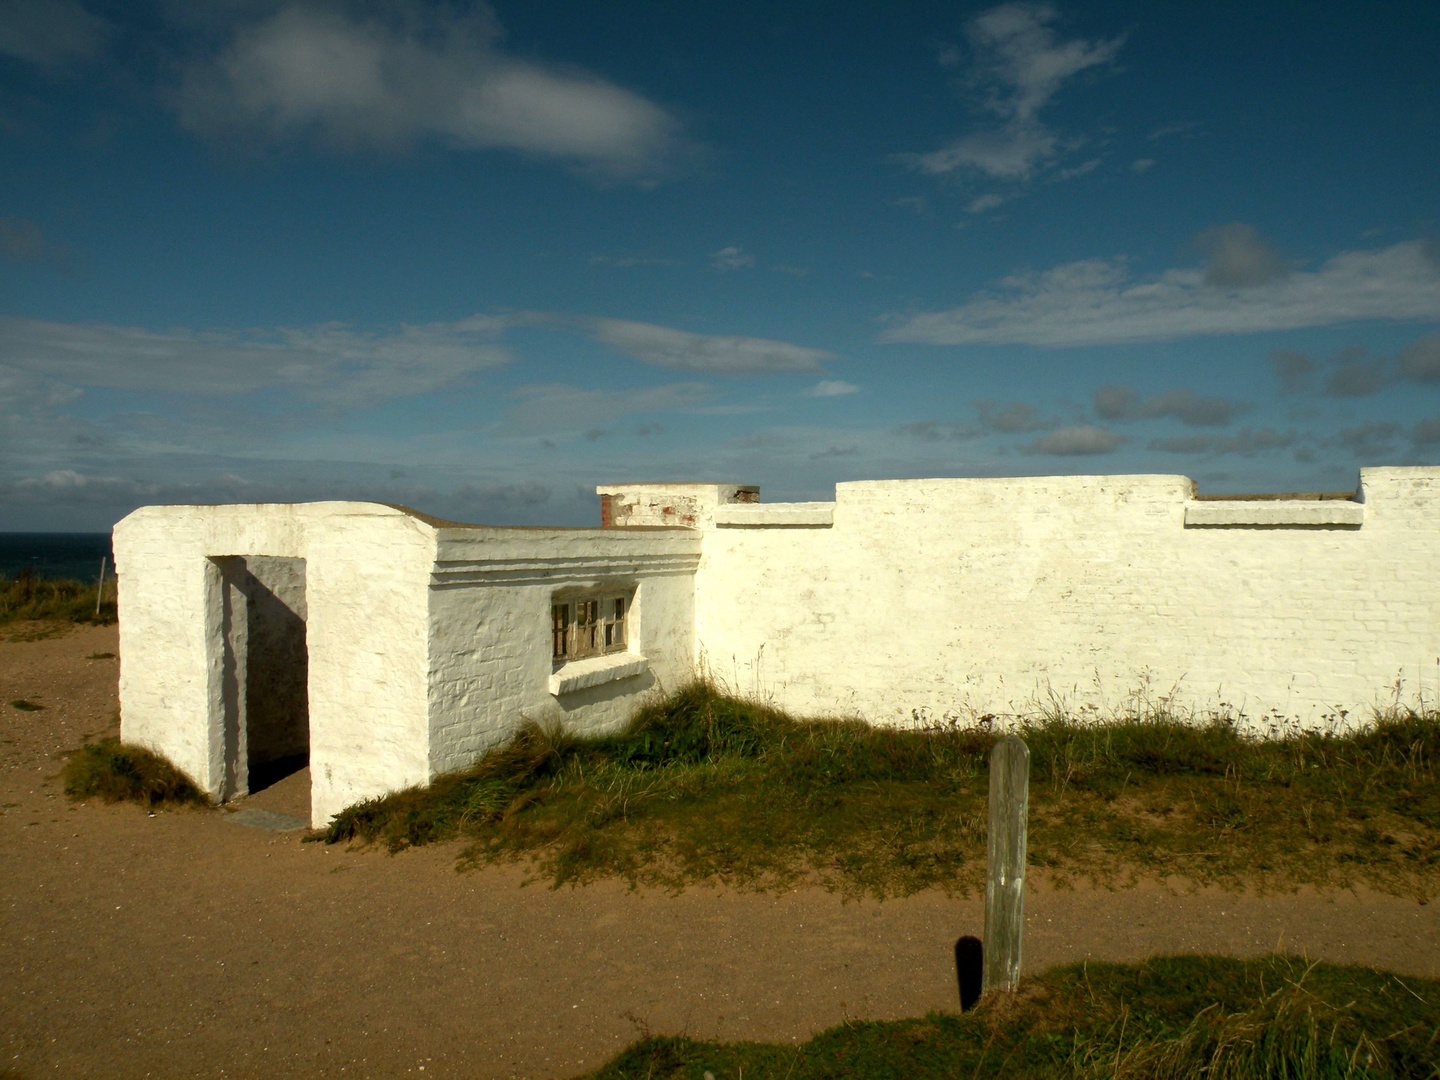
(185, 945)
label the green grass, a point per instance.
(1165, 1019)
(26, 706)
(26, 598)
(117, 773)
(703, 786)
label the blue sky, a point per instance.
(479, 259)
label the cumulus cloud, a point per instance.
(1012, 418)
(932, 431)
(1122, 403)
(1370, 440)
(1420, 361)
(558, 409)
(1246, 443)
(713, 354)
(832, 388)
(1075, 441)
(331, 364)
(1292, 368)
(52, 34)
(385, 77)
(1019, 65)
(1100, 302)
(1237, 257)
(23, 241)
(1426, 431)
(732, 258)
(1354, 372)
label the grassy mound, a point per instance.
(704, 786)
(1173, 1017)
(26, 598)
(116, 773)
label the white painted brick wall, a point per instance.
(999, 596)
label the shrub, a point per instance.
(117, 773)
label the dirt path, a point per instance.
(183, 945)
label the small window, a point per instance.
(588, 626)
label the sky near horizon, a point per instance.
(480, 258)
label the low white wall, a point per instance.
(935, 597)
(490, 659)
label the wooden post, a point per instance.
(1005, 877)
(100, 590)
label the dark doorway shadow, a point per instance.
(264, 774)
(969, 970)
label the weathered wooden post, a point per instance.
(1005, 876)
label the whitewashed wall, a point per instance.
(367, 567)
(934, 597)
(490, 658)
(427, 642)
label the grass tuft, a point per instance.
(26, 706)
(1164, 1019)
(28, 598)
(706, 786)
(115, 772)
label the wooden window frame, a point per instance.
(589, 624)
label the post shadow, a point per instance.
(969, 970)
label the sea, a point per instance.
(56, 555)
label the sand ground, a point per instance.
(185, 945)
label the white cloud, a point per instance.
(1075, 441)
(732, 258)
(1020, 65)
(329, 364)
(409, 72)
(712, 354)
(1099, 301)
(832, 388)
(1238, 257)
(23, 241)
(1246, 443)
(560, 410)
(981, 203)
(1122, 403)
(52, 34)
(1420, 360)
(1141, 165)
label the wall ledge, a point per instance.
(773, 514)
(595, 671)
(1275, 513)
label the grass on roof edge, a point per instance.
(705, 786)
(1167, 1017)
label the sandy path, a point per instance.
(185, 945)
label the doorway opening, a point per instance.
(264, 672)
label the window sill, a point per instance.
(595, 671)
(1276, 514)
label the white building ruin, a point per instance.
(391, 647)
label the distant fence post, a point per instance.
(100, 589)
(1005, 873)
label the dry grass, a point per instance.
(47, 606)
(116, 773)
(704, 786)
(1170, 1018)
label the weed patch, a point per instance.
(114, 772)
(26, 706)
(705, 786)
(1170, 1017)
(27, 598)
